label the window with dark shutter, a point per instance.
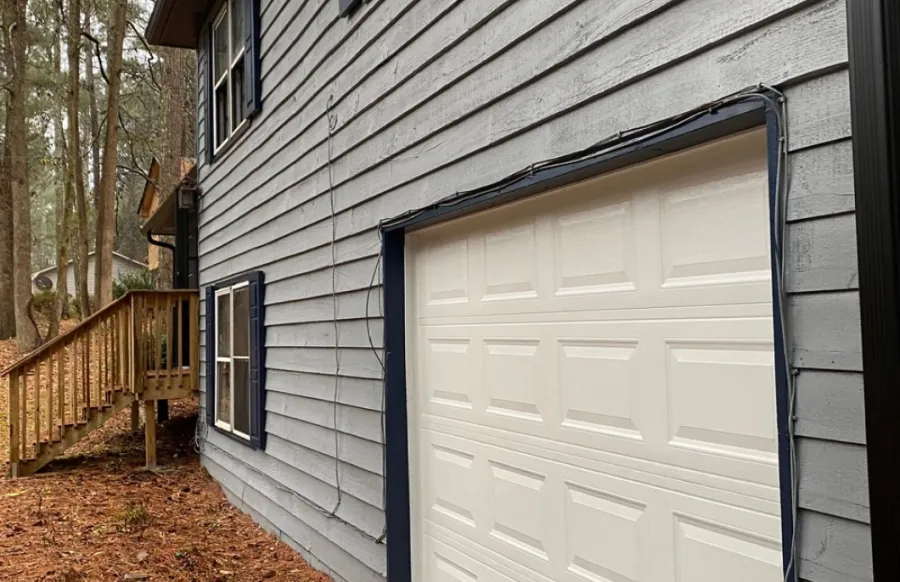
(235, 358)
(234, 88)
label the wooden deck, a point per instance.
(141, 348)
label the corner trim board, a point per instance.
(873, 29)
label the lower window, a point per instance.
(233, 348)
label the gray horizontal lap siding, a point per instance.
(446, 95)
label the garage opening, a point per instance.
(590, 380)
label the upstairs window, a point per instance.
(234, 70)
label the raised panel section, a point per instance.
(604, 536)
(448, 372)
(595, 250)
(509, 263)
(513, 378)
(446, 570)
(598, 386)
(446, 273)
(518, 504)
(453, 482)
(722, 397)
(710, 231)
(707, 552)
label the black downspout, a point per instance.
(162, 406)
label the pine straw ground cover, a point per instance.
(97, 515)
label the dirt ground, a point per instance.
(97, 515)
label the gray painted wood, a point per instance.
(431, 99)
(830, 406)
(825, 331)
(833, 478)
(833, 549)
(822, 181)
(819, 110)
(336, 557)
(678, 88)
(822, 255)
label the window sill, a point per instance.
(235, 138)
(236, 438)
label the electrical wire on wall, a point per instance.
(331, 120)
(777, 104)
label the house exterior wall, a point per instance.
(434, 97)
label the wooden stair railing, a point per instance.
(141, 347)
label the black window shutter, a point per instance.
(252, 78)
(347, 6)
(210, 356)
(257, 362)
(206, 62)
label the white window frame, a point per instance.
(229, 426)
(227, 77)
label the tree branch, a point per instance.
(149, 51)
(96, 42)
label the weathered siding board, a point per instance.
(833, 549)
(830, 406)
(825, 331)
(366, 394)
(433, 97)
(684, 29)
(833, 478)
(688, 84)
(822, 255)
(826, 117)
(337, 559)
(822, 181)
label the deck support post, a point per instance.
(135, 416)
(150, 434)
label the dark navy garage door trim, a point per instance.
(751, 111)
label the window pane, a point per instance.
(223, 391)
(237, 92)
(220, 48)
(242, 396)
(223, 325)
(237, 27)
(223, 130)
(242, 321)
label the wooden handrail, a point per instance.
(143, 346)
(64, 337)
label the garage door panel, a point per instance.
(720, 401)
(705, 549)
(710, 229)
(667, 384)
(591, 380)
(570, 523)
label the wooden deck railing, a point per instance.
(145, 344)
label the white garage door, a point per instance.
(591, 381)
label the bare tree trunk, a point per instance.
(63, 212)
(94, 112)
(106, 215)
(7, 303)
(15, 27)
(75, 174)
(174, 98)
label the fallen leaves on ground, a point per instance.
(96, 514)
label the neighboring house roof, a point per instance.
(162, 220)
(136, 263)
(145, 208)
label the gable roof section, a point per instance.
(145, 208)
(134, 262)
